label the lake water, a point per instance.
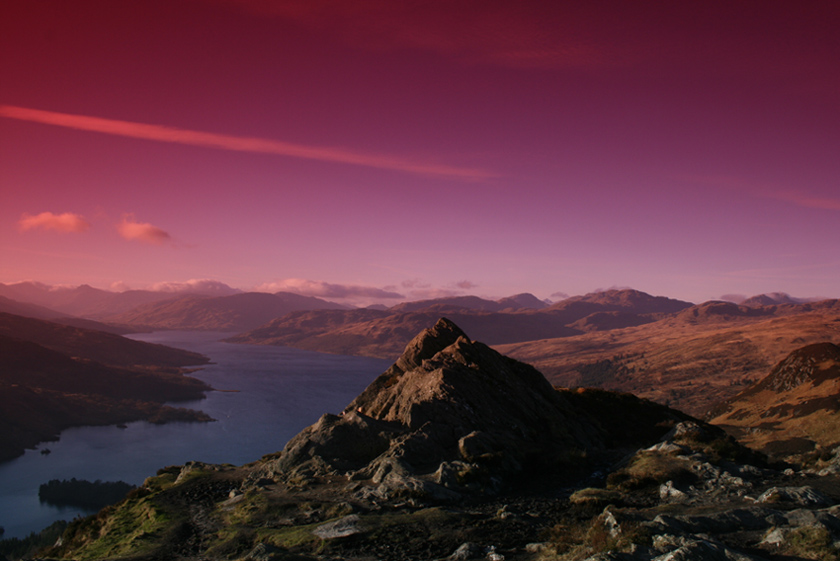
(279, 391)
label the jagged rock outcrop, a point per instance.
(454, 416)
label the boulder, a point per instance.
(802, 496)
(341, 528)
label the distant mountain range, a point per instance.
(237, 312)
(82, 301)
(384, 334)
(689, 356)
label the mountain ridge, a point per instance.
(237, 312)
(385, 335)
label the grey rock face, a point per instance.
(341, 528)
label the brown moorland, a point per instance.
(690, 361)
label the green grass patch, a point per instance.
(137, 526)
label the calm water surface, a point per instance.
(279, 391)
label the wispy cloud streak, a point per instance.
(162, 133)
(807, 201)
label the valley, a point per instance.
(458, 452)
(596, 431)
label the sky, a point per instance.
(385, 151)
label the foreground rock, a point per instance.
(457, 452)
(453, 417)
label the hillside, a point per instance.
(794, 409)
(458, 452)
(99, 346)
(691, 361)
(237, 312)
(53, 377)
(10, 306)
(623, 300)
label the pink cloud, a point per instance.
(323, 289)
(415, 283)
(163, 133)
(66, 222)
(434, 293)
(734, 298)
(201, 286)
(465, 285)
(141, 231)
(120, 286)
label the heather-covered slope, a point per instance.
(794, 409)
(692, 360)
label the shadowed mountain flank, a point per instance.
(53, 377)
(100, 346)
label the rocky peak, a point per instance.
(428, 343)
(445, 377)
(452, 410)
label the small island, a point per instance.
(92, 495)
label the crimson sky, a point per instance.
(688, 149)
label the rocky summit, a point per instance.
(453, 416)
(457, 452)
